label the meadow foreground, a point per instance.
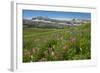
(50, 44)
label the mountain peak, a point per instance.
(40, 18)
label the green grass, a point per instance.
(70, 43)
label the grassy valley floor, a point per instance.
(69, 43)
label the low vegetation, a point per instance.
(46, 44)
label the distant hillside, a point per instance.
(45, 22)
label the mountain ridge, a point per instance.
(46, 22)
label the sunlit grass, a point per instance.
(70, 43)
